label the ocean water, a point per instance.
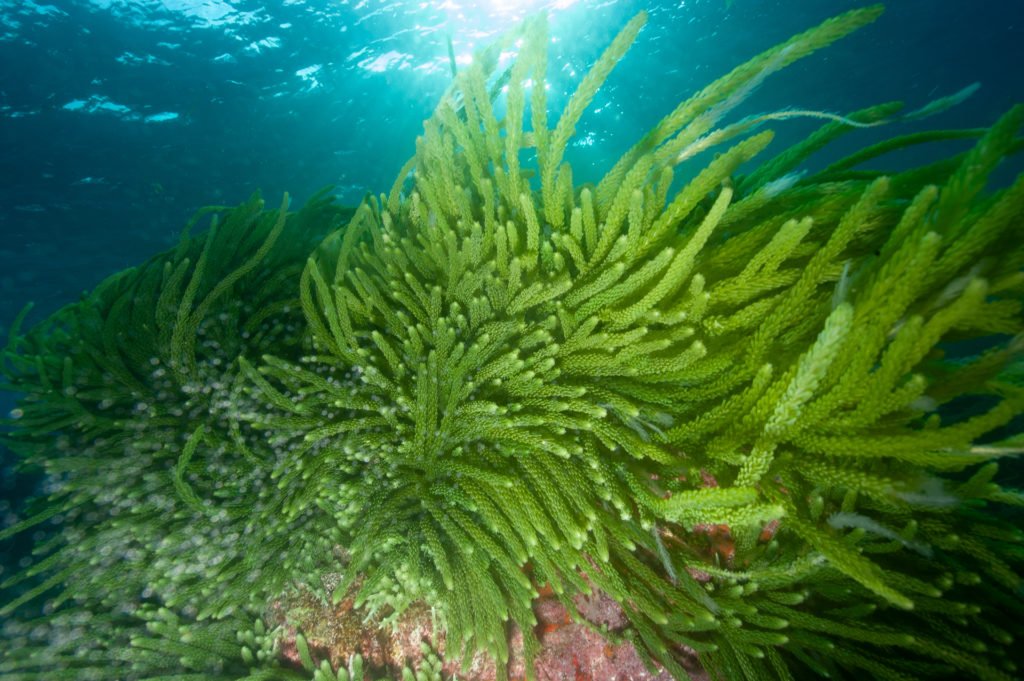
(120, 118)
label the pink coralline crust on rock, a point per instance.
(574, 651)
(600, 609)
(288, 651)
(569, 650)
(577, 653)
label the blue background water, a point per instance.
(118, 119)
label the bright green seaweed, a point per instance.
(482, 383)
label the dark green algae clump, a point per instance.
(726, 402)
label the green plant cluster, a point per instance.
(492, 380)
